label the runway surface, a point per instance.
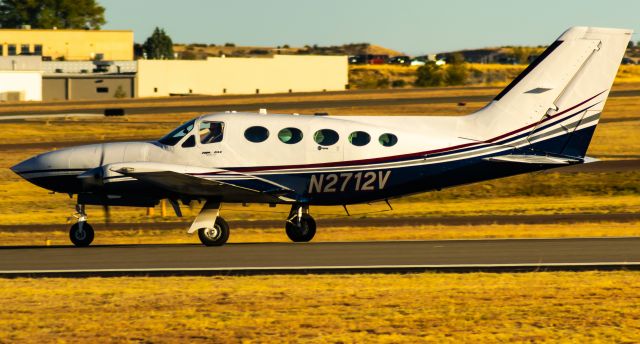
(327, 257)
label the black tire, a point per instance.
(84, 238)
(304, 232)
(216, 236)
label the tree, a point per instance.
(522, 54)
(456, 72)
(159, 45)
(47, 14)
(429, 75)
(120, 92)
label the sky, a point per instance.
(410, 26)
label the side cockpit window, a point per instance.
(190, 142)
(211, 132)
(177, 134)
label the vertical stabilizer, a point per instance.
(561, 93)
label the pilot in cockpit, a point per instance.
(211, 132)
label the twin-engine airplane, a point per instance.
(545, 118)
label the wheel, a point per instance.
(303, 232)
(216, 236)
(81, 238)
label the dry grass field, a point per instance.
(383, 76)
(587, 307)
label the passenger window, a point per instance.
(211, 132)
(189, 142)
(256, 134)
(177, 134)
(290, 135)
(388, 140)
(359, 138)
(326, 137)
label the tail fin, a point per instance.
(556, 102)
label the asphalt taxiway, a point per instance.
(253, 103)
(324, 257)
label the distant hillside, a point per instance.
(199, 51)
(380, 50)
(394, 76)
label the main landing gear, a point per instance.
(213, 230)
(215, 235)
(300, 226)
(81, 232)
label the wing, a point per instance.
(203, 182)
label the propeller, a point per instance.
(107, 215)
(100, 177)
(94, 179)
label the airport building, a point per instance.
(241, 75)
(20, 78)
(90, 64)
(69, 45)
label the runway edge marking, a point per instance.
(321, 269)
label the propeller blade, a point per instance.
(101, 155)
(107, 215)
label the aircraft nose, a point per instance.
(22, 166)
(25, 166)
(48, 170)
(46, 162)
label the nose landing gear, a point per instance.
(300, 226)
(81, 232)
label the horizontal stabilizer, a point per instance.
(532, 159)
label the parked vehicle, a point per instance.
(400, 60)
(357, 59)
(418, 61)
(377, 59)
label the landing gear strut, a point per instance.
(81, 232)
(300, 226)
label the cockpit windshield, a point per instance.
(177, 134)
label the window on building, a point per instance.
(326, 137)
(1, 49)
(388, 140)
(359, 138)
(11, 49)
(290, 135)
(102, 89)
(37, 49)
(256, 134)
(211, 132)
(24, 49)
